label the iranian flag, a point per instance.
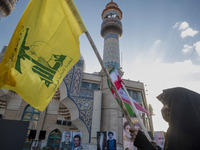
(118, 83)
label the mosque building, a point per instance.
(83, 102)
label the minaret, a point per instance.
(111, 30)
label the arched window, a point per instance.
(54, 140)
(30, 114)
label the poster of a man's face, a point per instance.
(111, 140)
(77, 140)
(66, 142)
(159, 138)
(101, 140)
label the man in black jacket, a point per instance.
(111, 143)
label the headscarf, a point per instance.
(184, 118)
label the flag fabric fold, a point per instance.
(117, 81)
(43, 48)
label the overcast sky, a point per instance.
(160, 44)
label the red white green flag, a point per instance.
(117, 81)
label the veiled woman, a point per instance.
(181, 109)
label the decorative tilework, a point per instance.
(73, 78)
(67, 79)
(111, 35)
(83, 99)
(85, 107)
(80, 63)
(76, 82)
(87, 93)
(2, 52)
(111, 57)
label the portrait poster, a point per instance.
(159, 138)
(127, 139)
(77, 140)
(66, 141)
(101, 140)
(111, 140)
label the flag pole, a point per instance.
(137, 114)
(109, 78)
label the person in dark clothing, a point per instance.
(181, 109)
(142, 142)
(111, 142)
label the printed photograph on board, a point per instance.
(111, 140)
(127, 140)
(76, 144)
(101, 140)
(159, 138)
(66, 142)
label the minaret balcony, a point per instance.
(111, 25)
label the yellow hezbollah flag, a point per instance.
(43, 48)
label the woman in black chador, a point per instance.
(181, 109)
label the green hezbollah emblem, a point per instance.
(46, 69)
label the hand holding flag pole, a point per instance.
(137, 114)
(132, 106)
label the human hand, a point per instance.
(156, 145)
(133, 132)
